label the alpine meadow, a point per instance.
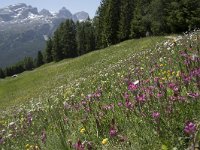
(127, 79)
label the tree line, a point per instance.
(115, 21)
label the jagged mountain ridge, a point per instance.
(24, 29)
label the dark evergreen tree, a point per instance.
(28, 63)
(68, 39)
(57, 51)
(111, 22)
(98, 23)
(39, 60)
(85, 37)
(80, 38)
(126, 15)
(2, 75)
(48, 51)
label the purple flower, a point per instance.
(159, 95)
(128, 104)
(140, 98)
(156, 115)
(120, 104)
(113, 132)
(190, 127)
(79, 145)
(132, 86)
(126, 95)
(193, 95)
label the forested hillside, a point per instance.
(115, 21)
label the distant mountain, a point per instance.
(23, 30)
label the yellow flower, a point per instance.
(164, 147)
(104, 141)
(178, 74)
(82, 130)
(27, 146)
(161, 65)
(36, 147)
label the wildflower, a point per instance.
(133, 86)
(120, 104)
(164, 147)
(27, 146)
(161, 65)
(82, 130)
(104, 141)
(126, 95)
(193, 95)
(190, 127)
(140, 98)
(79, 145)
(113, 132)
(156, 115)
(36, 147)
(128, 104)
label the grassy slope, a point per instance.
(35, 83)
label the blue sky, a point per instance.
(89, 6)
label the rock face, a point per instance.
(23, 30)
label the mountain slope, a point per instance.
(23, 30)
(140, 94)
(28, 84)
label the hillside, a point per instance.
(140, 94)
(49, 76)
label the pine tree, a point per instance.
(2, 75)
(80, 38)
(99, 23)
(126, 14)
(56, 50)
(68, 39)
(48, 50)
(28, 63)
(39, 61)
(111, 22)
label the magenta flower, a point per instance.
(113, 132)
(126, 95)
(193, 95)
(132, 86)
(159, 95)
(128, 104)
(79, 145)
(156, 115)
(141, 98)
(190, 127)
(120, 104)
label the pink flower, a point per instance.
(141, 98)
(132, 86)
(190, 127)
(128, 104)
(79, 145)
(156, 115)
(113, 132)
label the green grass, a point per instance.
(140, 94)
(39, 82)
